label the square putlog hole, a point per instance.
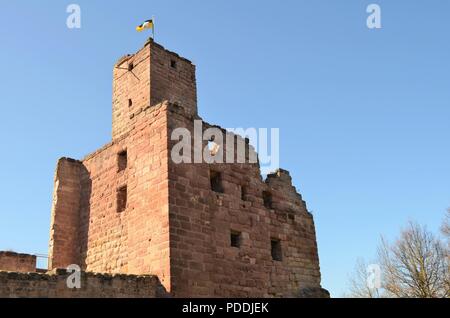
(235, 239)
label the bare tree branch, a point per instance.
(446, 225)
(415, 265)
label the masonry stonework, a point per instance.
(22, 263)
(53, 285)
(128, 208)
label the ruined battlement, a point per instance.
(150, 41)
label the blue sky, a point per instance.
(363, 114)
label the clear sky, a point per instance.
(364, 115)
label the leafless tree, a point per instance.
(416, 265)
(446, 225)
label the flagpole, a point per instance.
(153, 29)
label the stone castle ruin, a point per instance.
(140, 225)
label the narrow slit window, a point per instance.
(173, 64)
(122, 199)
(267, 198)
(130, 66)
(235, 239)
(275, 245)
(216, 181)
(130, 102)
(243, 193)
(122, 160)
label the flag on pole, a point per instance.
(146, 25)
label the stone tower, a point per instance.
(215, 230)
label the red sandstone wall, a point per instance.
(53, 285)
(64, 241)
(202, 261)
(130, 86)
(136, 240)
(173, 83)
(149, 77)
(15, 262)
